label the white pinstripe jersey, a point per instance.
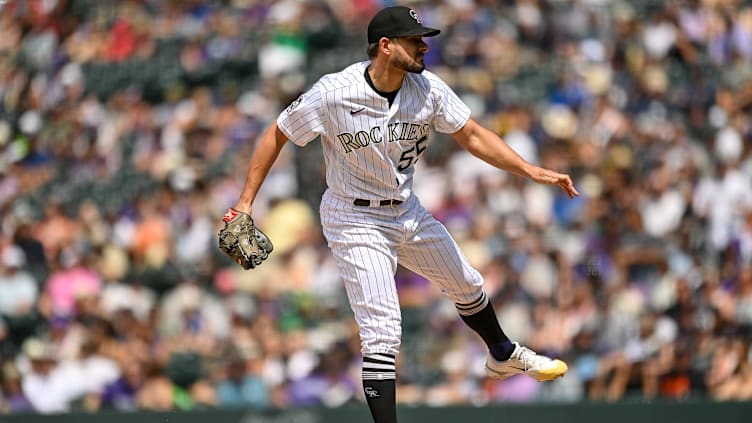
(370, 148)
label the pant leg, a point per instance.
(431, 252)
(364, 251)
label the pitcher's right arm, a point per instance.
(263, 158)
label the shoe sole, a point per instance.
(559, 370)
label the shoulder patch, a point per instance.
(294, 104)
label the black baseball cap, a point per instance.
(397, 21)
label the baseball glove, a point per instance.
(243, 241)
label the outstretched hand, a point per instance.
(545, 176)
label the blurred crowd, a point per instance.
(126, 128)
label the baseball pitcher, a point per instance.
(374, 118)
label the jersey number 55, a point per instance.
(412, 154)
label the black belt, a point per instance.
(366, 203)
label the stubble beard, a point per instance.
(409, 64)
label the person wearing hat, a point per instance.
(18, 287)
(374, 119)
(18, 294)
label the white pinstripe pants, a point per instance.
(367, 243)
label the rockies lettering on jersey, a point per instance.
(398, 131)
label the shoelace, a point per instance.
(529, 358)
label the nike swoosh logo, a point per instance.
(522, 369)
(352, 112)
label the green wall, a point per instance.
(638, 412)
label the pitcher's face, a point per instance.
(408, 53)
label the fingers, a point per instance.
(246, 264)
(563, 181)
(568, 187)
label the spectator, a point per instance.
(50, 385)
(19, 294)
(71, 283)
(15, 399)
(330, 384)
(121, 393)
(241, 385)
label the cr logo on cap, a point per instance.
(414, 15)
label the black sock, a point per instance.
(379, 386)
(481, 318)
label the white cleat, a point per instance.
(528, 362)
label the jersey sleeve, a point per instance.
(303, 120)
(451, 113)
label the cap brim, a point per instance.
(423, 32)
